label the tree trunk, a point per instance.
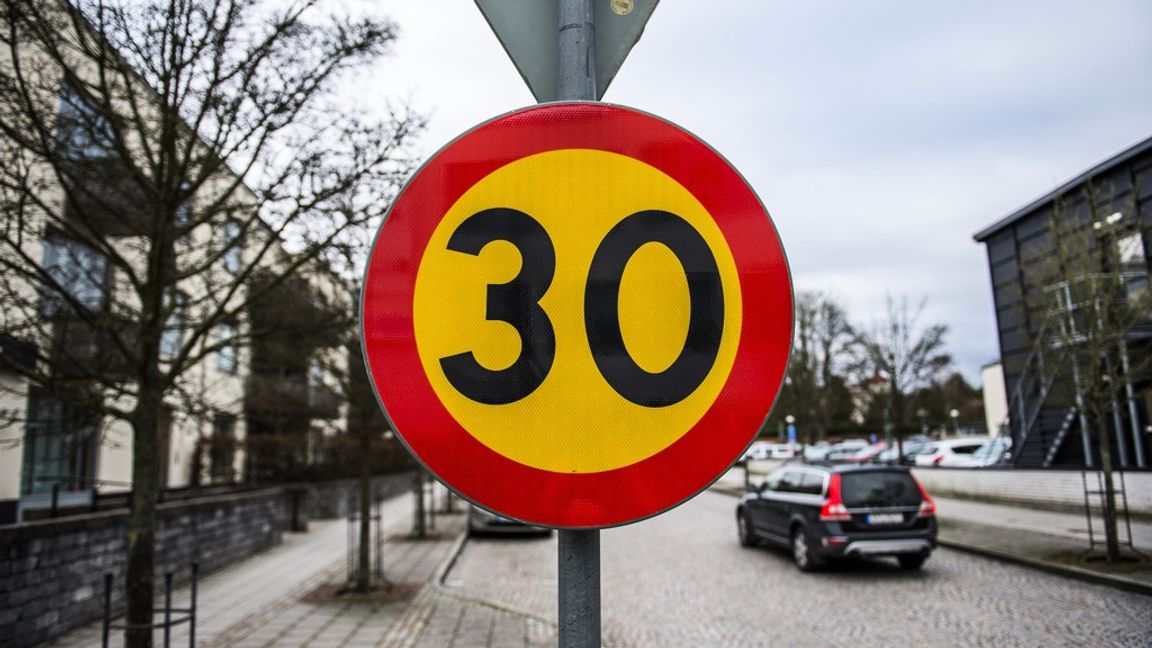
(364, 560)
(897, 422)
(138, 579)
(1111, 534)
(419, 529)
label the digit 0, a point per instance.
(602, 313)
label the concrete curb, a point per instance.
(448, 561)
(440, 587)
(1028, 561)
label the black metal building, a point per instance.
(1071, 290)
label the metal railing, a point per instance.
(171, 616)
(376, 542)
(81, 495)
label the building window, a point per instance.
(1133, 264)
(227, 357)
(59, 446)
(163, 446)
(83, 132)
(79, 272)
(173, 334)
(223, 447)
(183, 215)
(232, 247)
(316, 371)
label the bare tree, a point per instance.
(911, 356)
(820, 353)
(158, 156)
(1094, 294)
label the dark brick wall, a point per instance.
(52, 571)
(326, 500)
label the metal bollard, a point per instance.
(168, 610)
(192, 607)
(107, 609)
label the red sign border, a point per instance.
(576, 500)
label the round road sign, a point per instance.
(577, 315)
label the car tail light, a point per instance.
(927, 504)
(834, 509)
(937, 460)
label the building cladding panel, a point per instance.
(1016, 246)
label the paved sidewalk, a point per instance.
(1048, 540)
(260, 602)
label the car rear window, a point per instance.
(879, 489)
(812, 484)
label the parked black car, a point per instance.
(825, 512)
(485, 523)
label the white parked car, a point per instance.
(937, 451)
(992, 452)
(841, 451)
(761, 451)
(817, 451)
(757, 451)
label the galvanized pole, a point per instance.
(579, 589)
(578, 592)
(577, 78)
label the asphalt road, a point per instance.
(681, 579)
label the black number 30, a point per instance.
(517, 303)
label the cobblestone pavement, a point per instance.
(681, 579)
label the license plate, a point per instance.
(884, 518)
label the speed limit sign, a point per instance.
(577, 315)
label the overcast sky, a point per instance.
(880, 135)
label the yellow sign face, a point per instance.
(573, 420)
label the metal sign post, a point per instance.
(527, 30)
(578, 568)
(578, 591)
(660, 390)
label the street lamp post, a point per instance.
(955, 415)
(923, 415)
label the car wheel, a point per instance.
(744, 530)
(802, 554)
(911, 562)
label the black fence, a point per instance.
(78, 496)
(170, 616)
